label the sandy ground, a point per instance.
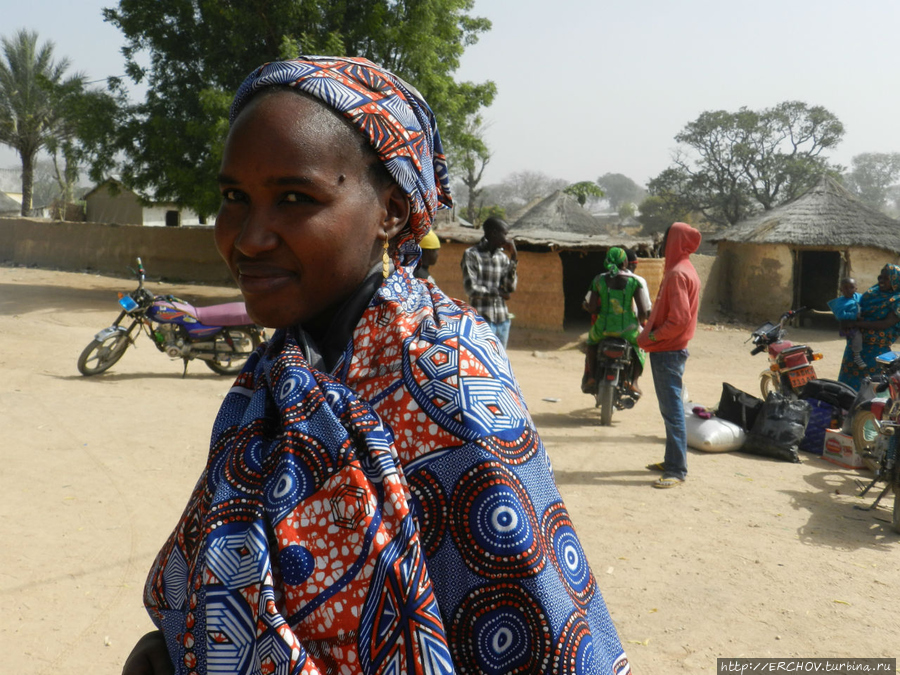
(751, 557)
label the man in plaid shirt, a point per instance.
(489, 275)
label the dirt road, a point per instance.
(751, 557)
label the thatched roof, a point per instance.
(560, 212)
(826, 215)
(559, 220)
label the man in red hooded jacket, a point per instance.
(665, 336)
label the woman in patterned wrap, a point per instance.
(376, 498)
(879, 322)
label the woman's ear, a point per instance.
(396, 211)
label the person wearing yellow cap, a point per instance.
(431, 246)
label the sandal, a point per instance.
(668, 482)
(657, 466)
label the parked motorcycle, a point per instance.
(613, 373)
(222, 336)
(876, 420)
(790, 365)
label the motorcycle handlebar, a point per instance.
(140, 271)
(757, 349)
(791, 313)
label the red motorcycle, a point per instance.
(876, 420)
(790, 365)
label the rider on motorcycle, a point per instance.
(614, 299)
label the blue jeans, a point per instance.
(668, 371)
(501, 330)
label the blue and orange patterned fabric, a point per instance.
(389, 112)
(398, 515)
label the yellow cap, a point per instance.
(430, 240)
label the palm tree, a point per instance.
(31, 111)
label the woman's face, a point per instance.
(884, 281)
(301, 222)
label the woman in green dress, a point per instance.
(620, 311)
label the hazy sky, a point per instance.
(587, 87)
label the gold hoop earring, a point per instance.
(385, 260)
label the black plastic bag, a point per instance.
(836, 393)
(779, 428)
(738, 407)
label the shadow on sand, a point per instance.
(835, 517)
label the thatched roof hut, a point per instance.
(797, 253)
(826, 215)
(560, 221)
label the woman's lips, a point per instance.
(262, 279)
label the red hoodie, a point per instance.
(674, 316)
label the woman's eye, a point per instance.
(295, 197)
(230, 195)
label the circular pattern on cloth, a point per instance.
(219, 453)
(289, 483)
(430, 509)
(494, 525)
(566, 552)
(297, 395)
(296, 563)
(243, 468)
(517, 451)
(501, 628)
(574, 652)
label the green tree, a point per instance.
(583, 191)
(620, 190)
(872, 175)
(657, 212)
(469, 158)
(733, 164)
(201, 50)
(627, 210)
(486, 212)
(86, 134)
(31, 107)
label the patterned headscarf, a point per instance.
(894, 276)
(615, 260)
(390, 113)
(876, 304)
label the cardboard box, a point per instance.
(839, 449)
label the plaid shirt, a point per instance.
(485, 275)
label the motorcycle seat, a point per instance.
(227, 314)
(783, 346)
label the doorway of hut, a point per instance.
(579, 269)
(818, 275)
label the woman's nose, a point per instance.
(255, 235)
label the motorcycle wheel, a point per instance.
(100, 355)
(605, 394)
(228, 362)
(768, 382)
(865, 436)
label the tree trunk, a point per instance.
(27, 181)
